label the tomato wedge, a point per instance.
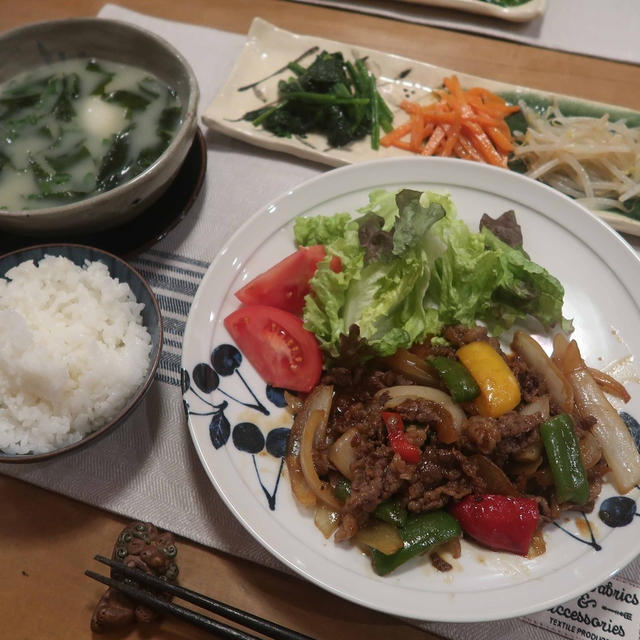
(274, 341)
(286, 283)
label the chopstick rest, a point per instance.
(153, 551)
(124, 578)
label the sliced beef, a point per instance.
(502, 437)
(459, 335)
(419, 410)
(482, 434)
(374, 479)
(531, 385)
(444, 473)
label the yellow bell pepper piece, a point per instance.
(499, 388)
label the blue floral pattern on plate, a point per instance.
(248, 437)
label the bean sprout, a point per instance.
(593, 160)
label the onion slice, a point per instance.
(450, 416)
(414, 367)
(538, 546)
(534, 355)
(612, 433)
(495, 478)
(381, 536)
(540, 405)
(590, 450)
(452, 547)
(341, 452)
(322, 490)
(326, 520)
(610, 384)
(319, 398)
(294, 402)
(560, 344)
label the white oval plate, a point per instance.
(520, 13)
(243, 459)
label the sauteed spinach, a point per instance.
(332, 96)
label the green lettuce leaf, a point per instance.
(437, 272)
(383, 204)
(324, 309)
(320, 229)
(480, 278)
(414, 220)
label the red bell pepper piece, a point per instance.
(502, 523)
(398, 440)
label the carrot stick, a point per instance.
(467, 123)
(417, 129)
(453, 84)
(390, 138)
(461, 152)
(402, 144)
(501, 142)
(410, 107)
(469, 148)
(453, 134)
(428, 130)
(434, 141)
(481, 142)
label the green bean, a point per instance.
(563, 453)
(422, 532)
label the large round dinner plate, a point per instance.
(239, 425)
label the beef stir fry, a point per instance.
(402, 455)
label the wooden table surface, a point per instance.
(47, 541)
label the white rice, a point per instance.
(73, 350)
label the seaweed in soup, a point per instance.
(72, 129)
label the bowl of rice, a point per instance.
(80, 343)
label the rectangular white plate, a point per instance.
(254, 78)
(521, 13)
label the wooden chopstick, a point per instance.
(263, 626)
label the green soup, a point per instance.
(72, 129)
